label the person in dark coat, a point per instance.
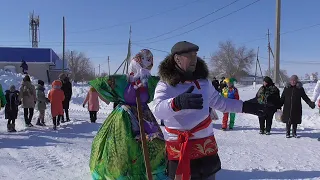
(215, 84)
(24, 67)
(67, 89)
(268, 94)
(291, 100)
(222, 84)
(11, 108)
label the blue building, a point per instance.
(43, 63)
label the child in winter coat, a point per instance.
(93, 103)
(230, 92)
(56, 97)
(42, 100)
(11, 109)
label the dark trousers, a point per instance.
(66, 111)
(93, 116)
(294, 128)
(28, 114)
(11, 121)
(56, 121)
(266, 122)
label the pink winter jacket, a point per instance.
(93, 101)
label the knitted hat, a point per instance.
(12, 88)
(62, 76)
(41, 82)
(268, 80)
(184, 47)
(26, 78)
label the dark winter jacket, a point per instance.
(41, 98)
(291, 100)
(215, 84)
(24, 65)
(269, 95)
(67, 89)
(222, 85)
(11, 109)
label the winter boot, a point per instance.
(261, 132)
(42, 122)
(58, 120)
(9, 127)
(62, 119)
(268, 133)
(38, 122)
(54, 121)
(67, 115)
(13, 128)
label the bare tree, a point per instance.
(80, 66)
(232, 61)
(283, 75)
(315, 75)
(306, 76)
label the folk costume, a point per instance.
(182, 100)
(116, 149)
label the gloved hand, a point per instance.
(312, 105)
(255, 108)
(188, 100)
(83, 105)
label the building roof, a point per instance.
(38, 55)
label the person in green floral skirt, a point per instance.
(116, 149)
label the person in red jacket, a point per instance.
(56, 97)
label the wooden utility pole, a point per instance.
(99, 70)
(63, 43)
(269, 69)
(255, 74)
(109, 65)
(277, 43)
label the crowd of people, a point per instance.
(32, 97)
(183, 99)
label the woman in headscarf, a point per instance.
(268, 94)
(116, 149)
(292, 107)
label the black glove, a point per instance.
(83, 105)
(312, 105)
(188, 100)
(255, 108)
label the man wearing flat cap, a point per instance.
(182, 99)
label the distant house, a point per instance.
(249, 79)
(43, 63)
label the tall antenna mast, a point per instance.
(127, 61)
(34, 22)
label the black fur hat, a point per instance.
(41, 82)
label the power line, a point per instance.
(205, 23)
(178, 28)
(137, 20)
(286, 32)
(151, 48)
